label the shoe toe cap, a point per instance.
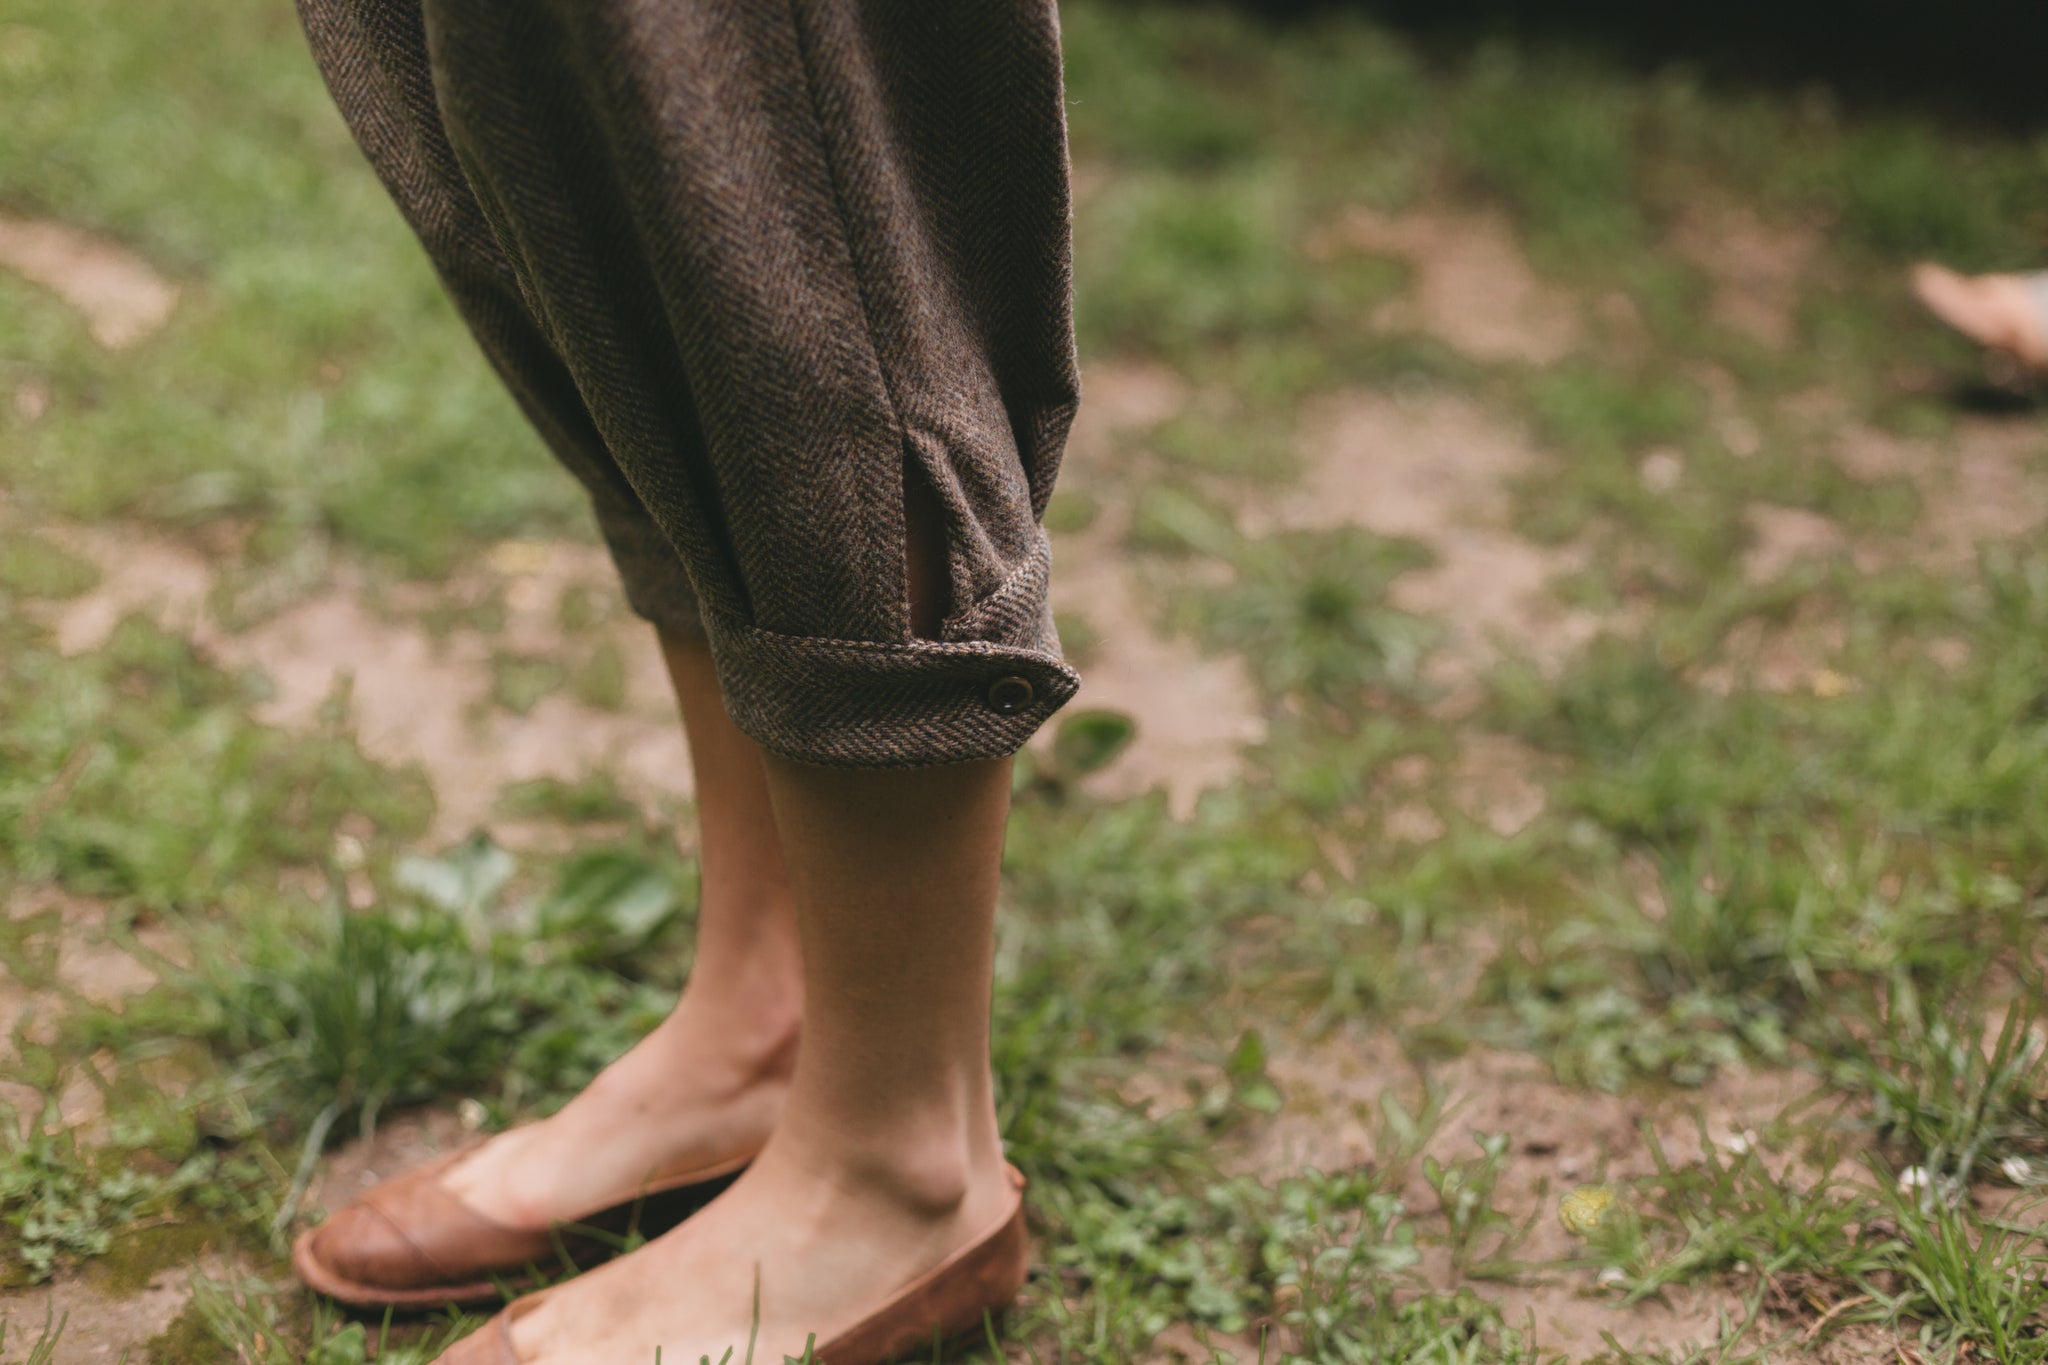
(361, 1243)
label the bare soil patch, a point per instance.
(121, 297)
(139, 572)
(1781, 537)
(99, 1325)
(413, 697)
(93, 963)
(1473, 290)
(399, 1143)
(1117, 398)
(87, 962)
(418, 700)
(1438, 468)
(1494, 781)
(1979, 482)
(1195, 713)
(1982, 484)
(1561, 1137)
(1792, 656)
(1757, 267)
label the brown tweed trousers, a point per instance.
(750, 266)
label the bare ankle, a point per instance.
(932, 1173)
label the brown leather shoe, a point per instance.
(949, 1304)
(410, 1243)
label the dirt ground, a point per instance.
(1433, 467)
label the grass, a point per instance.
(59, 1204)
(1790, 824)
(134, 774)
(1978, 1286)
(1335, 635)
(32, 566)
(1950, 1091)
(312, 380)
(451, 987)
(43, 1350)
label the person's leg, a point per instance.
(887, 1158)
(709, 1082)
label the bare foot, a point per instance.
(823, 1249)
(2006, 313)
(704, 1088)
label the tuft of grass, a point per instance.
(1955, 1084)
(450, 988)
(590, 800)
(519, 682)
(1980, 1286)
(43, 1350)
(135, 773)
(258, 1323)
(1728, 1214)
(1198, 261)
(1551, 134)
(32, 565)
(1465, 1197)
(1308, 611)
(58, 1206)
(1342, 1262)
(1085, 742)
(599, 682)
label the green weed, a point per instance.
(1340, 1257)
(1464, 1191)
(1952, 1086)
(451, 989)
(1085, 742)
(259, 1323)
(1980, 1286)
(1728, 1214)
(57, 1204)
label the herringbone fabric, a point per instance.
(748, 265)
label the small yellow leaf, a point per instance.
(1582, 1210)
(514, 558)
(1828, 684)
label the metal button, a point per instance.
(1010, 695)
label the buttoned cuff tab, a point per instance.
(856, 704)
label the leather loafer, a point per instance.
(949, 1303)
(410, 1243)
